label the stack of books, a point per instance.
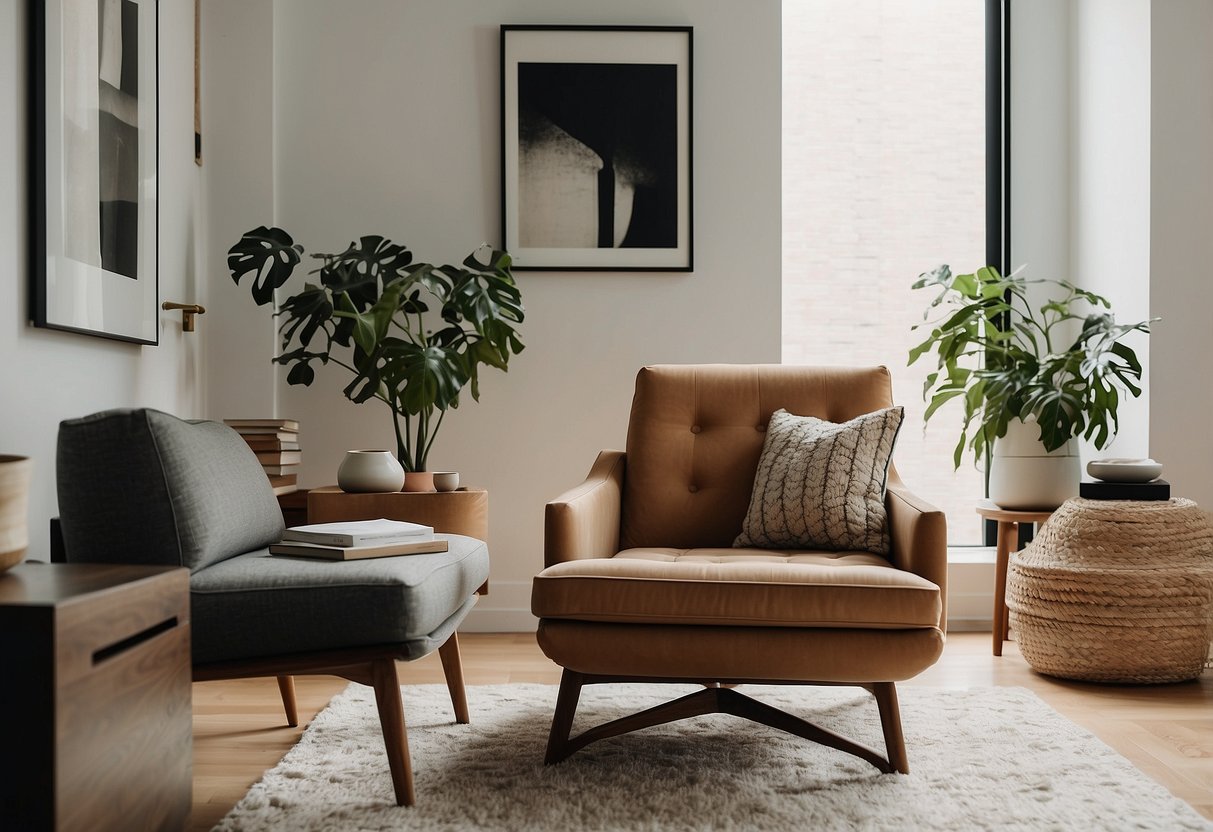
(276, 444)
(358, 539)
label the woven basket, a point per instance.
(1116, 591)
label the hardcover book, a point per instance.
(313, 550)
(1153, 490)
(359, 533)
(284, 483)
(270, 443)
(279, 457)
(279, 424)
(269, 433)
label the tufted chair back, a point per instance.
(696, 432)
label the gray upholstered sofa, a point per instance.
(144, 487)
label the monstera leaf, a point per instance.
(301, 371)
(426, 377)
(270, 255)
(304, 314)
(371, 261)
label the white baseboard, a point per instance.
(507, 607)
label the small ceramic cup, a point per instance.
(446, 480)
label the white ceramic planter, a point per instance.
(367, 471)
(1023, 477)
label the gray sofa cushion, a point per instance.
(262, 605)
(141, 486)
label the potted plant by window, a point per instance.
(411, 335)
(1031, 379)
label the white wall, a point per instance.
(1181, 238)
(1080, 149)
(237, 45)
(1040, 137)
(47, 375)
(1110, 180)
(386, 121)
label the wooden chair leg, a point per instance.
(286, 687)
(890, 721)
(391, 720)
(562, 720)
(452, 667)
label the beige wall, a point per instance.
(47, 375)
(385, 121)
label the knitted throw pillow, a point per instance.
(820, 485)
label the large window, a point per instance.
(884, 178)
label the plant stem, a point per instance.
(433, 433)
(422, 422)
(402, 453)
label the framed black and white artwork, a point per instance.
(94, 151)
(596, 147)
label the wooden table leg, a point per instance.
(1008, 536)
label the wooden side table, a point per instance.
(1008, 539)
(95, 698)
(465, 511)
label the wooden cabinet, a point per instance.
(95, 697)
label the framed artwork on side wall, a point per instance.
(94, 150)
(596, 147)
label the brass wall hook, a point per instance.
(188, 311)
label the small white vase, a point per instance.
(366, 471)
(1025, 477)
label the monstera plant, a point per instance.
(1006, 356)
(411, 335)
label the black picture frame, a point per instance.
(94, 164)
(596, 148)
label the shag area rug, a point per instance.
(992, 758)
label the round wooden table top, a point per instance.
(992, 512)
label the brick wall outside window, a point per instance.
(883, 178)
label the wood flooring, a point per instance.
(1165, 730)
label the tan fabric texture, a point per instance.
(821, 484)
(918, 534)
(738, 587)
(696, 433)
(727, 654)
(583, 522)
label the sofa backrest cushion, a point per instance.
(696, 433)
(141, 486)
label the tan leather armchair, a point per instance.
(642, 582)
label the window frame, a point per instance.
(998, 172)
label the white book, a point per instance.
(387, 550)
(359, 533)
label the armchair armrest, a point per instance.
(584, 521)
(919, 536)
